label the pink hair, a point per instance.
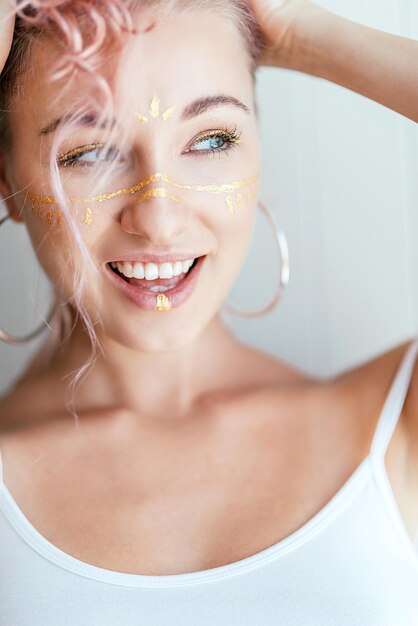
(89, 30)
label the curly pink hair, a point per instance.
(87, 31)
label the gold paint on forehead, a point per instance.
(154, 111)
(141, 117)
(212, 188)
(154, 108)
(162, 303)
(167, 114)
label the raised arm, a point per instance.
(6, 31)
(305, 37)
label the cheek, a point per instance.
(54, 245)
(233, 234)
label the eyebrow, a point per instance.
(194, 109)
(201, 105)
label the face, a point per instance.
(181, 185)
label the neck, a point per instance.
(153, 385)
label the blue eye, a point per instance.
(211, 143)
(88, 156)
(91, 155)
(215, 141)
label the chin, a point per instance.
(167, 335)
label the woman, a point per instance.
(205, 482)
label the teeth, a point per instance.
(178, 268)
(151, 271)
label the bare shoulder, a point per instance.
(368, 385)
(260, 384)
(345, 406)
(376, 374)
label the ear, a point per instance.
(8, 191)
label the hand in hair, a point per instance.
(7, 23)
(300, 35)
(283, 24)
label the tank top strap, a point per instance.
(394, 402)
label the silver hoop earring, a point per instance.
(284, 272)
(17, 341)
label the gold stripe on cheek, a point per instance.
(212, 188)
(88, 216)
(53, 214)
(232, 197)
(163, 303)
(229, 204)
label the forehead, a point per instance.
(180, 56)
(184, 50)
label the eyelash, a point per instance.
(231, 136)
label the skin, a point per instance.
(305, 37)
(177, 345)
(7, 22)
(216, 405)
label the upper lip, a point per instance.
(158, 259)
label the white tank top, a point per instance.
(351, 564)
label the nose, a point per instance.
(159, 215)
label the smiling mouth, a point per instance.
(156, 285)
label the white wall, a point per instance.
(340, 174)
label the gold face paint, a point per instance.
(158, 192)
(65, 158)
(154, 111)
(141, 118)
(88, 216)
(154, 108)
(54, 214)
(229, 204)
(163, 303)
(236, 192)
(167, 114)
(212, 188)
